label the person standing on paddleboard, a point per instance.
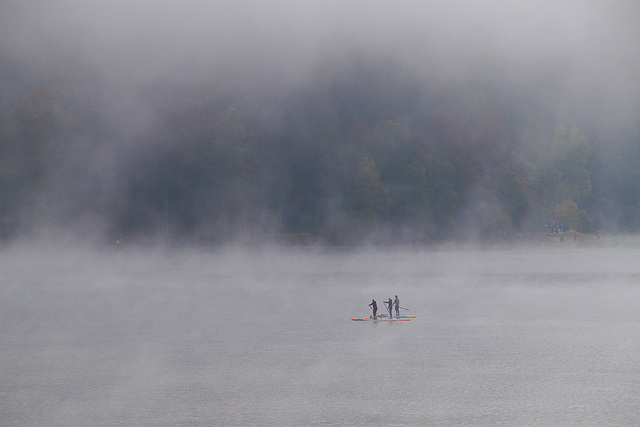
(374, 307)
(389, 305)
(397, 304)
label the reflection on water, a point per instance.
(547, 334)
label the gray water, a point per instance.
(548, 334)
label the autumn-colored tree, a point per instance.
(567, 213)
(369, 196)
(572, 150)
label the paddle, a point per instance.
(404, 308)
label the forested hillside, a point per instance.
(367, 154)
(348, 144)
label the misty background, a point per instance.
(337, 122)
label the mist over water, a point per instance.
(515, 334)
(198, 125)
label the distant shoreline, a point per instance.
(569, 236)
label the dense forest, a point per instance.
(365, 154)
(199, 124)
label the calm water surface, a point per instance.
(540, 335)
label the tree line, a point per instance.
(372, 155)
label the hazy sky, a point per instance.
(145, 39)
(578, 52)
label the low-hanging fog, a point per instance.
(332, 125)
(505, 335)
(329, 121)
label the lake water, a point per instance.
(547, 334)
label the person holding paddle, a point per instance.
(396, 302)
(389, 305)
(374, 307)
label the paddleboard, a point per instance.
(408, 316)
(384, 319)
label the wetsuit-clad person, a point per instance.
(397, 304)
(374, 307)
(389, 305)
